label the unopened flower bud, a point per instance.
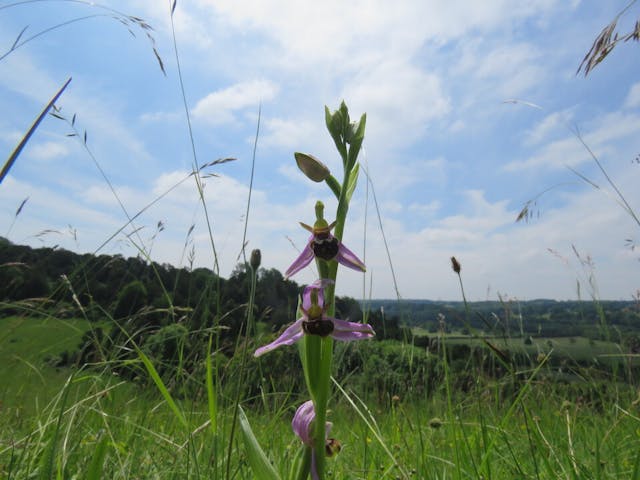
(256, 258)
(313, 168)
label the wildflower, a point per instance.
(303, 428)
(315, 322)
(322, 244)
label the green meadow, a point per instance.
(61, 422)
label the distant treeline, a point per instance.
(111, 286)
(148, 295)
(542, 318)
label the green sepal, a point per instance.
(353, 181)
(301, 466)
(260, 464)
(335, 123)
(356, 138)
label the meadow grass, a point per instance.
(540, 429)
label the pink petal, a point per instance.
(348, 331)
(347, 258)
(302, 261)
(301, 423)
(291, 335)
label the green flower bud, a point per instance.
(313, 168)
(256, 258)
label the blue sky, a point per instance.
(452, 164)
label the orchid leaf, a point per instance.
(301, 464)
(353, 181)
(262, 468)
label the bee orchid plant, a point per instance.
(317, 326)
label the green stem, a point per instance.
(323, 380)
(319, 350)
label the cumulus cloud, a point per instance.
(525, 260)
(400, 101)
(552, 125)
(287, 133)
(602, 138)
(48, 150)
(633, 97)
(221, 106)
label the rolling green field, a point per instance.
(27, 378)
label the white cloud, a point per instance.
(286, 133)
(400, 101)
(483, 218)
(633, 97)
(604, 137)
(149, 117)
(507, 71)
(47, 150)
(219, 107)
(12, 138)
(551, 125)
(337, 31)
(425, 209)
(498, 254)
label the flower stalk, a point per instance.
(348, 138)
(317, 327)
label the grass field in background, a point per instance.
(28, 381)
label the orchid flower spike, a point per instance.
(302, 427)
(314, 321)
(322, 244)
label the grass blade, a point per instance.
(14, 155)
(47, 460)
(97, 462)
(161, 386)
(211, 391)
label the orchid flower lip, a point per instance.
(315, 322)
(322, 244)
